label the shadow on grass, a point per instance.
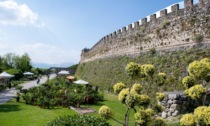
(9, 108)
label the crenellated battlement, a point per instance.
(169, 27)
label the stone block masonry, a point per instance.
(177, 103)
(171, 30)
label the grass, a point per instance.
(13, 113)
(118, 109)
(21, 114)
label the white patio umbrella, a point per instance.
(28, 73)
(6, 75)
(81, 82)
(63, 72)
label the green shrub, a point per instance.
(157, 108)
(118, 87)
(123, 94)
(142, 118)
(78, 120)
(132, 69)
(188, 81)
(158, 122)
(188, 120)
(105, 112)
(143, 100)
(150, 111)
(136, 89)
(202, 115)
(160, 96)
(165, 24)
(195, 92)
(198, 38)
(19, 87)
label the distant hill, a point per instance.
(45, 65)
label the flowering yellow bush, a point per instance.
(163, 75)
(136, 88)
(133, 69)
(105, 112)
(118, 87)
(199, 69)
(195, 92)
(161, 78)
(143, 100)
(188, 81)
(150, 111)
(148, 69)
(202, 114)
(142, 118)
(188, 120)
(160, 96)
(123, 94)
(158, 122)
(205, 60)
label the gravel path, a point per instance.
(8, 94)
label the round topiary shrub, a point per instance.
(195, 92)
(188, 81)
(136, 89)
(188, 120)
(150, 111)
(158, 122)
(105, 112)
(78, 120)
(202, 115)
(123, 94)
(142, 118)
(160, 96)
(118, 87)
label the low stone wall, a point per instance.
(176, 103)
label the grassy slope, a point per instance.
(107, 72)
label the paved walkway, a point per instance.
(8, 94)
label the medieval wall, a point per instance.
(170, 31)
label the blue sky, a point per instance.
(55, 31)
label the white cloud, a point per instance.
(12, 13)
(40, 52)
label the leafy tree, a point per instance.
(24, 63)
(17, 73)
(9, 61)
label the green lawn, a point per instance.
(20, 114)
(118, 109)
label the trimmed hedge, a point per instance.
(78, 120)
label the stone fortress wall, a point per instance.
(165, 31)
